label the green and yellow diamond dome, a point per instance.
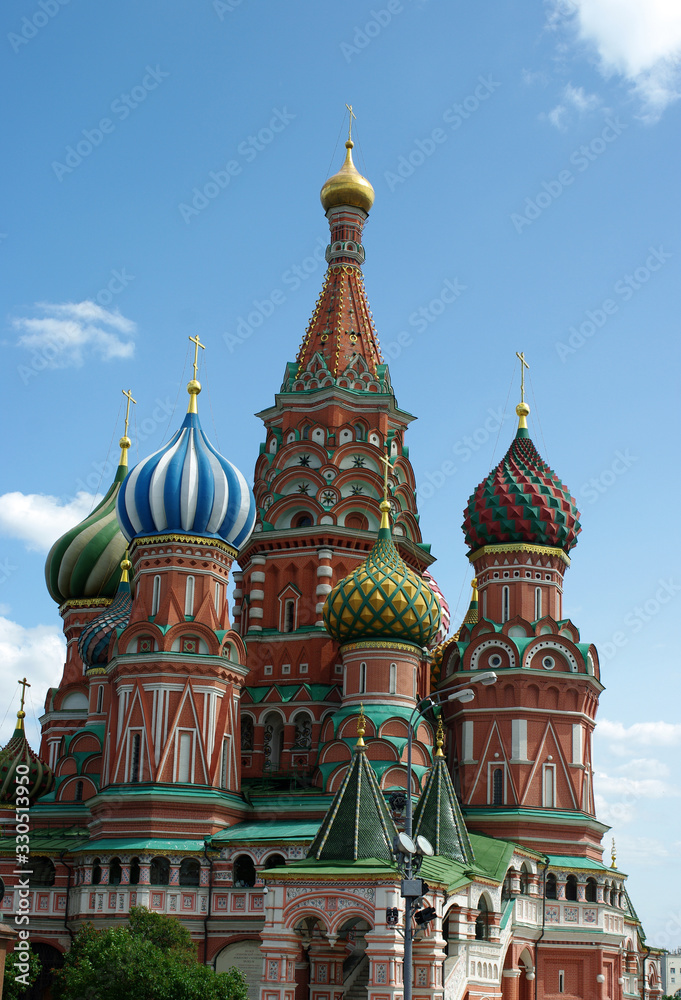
(382, 599)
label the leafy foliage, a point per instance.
(153, 958)
(12, 990)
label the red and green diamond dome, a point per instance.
(522, 500)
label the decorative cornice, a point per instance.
(209, 543)
(86, 602)
(543, 550)
(407, 647)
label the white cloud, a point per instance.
(574, 100)
(68, 331)
(40, 520)
(35, 653)
(639, 41)
(639, 734)
(645, 767)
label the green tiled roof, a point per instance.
(438, 816)
(587, 864)
(246, 833)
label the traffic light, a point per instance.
(392, 916)
(424, 887)
(425, 915)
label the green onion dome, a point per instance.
(18, 754)
(86, 561)
(382, 599)
(522, 500)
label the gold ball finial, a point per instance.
(126, 565)
(21, 715)
(439, 739)
(124, 442)
(523, 410)
(193, 387)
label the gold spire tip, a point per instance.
(613, 854)
(125, 441)
(194, 386)
(439, 739)
(474, 585)
(352, 115)
(522, 409)
(384, 505)
(21, 715)
(126, 566)
(361, 729)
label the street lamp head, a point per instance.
(425, 847)
(489, 677)
(405, 844)
(468, 694)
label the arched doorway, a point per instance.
(50, 959)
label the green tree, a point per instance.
(153, 958)
(11, 989)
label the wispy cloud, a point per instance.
(639, 42)
(39, 520)
(640, 734)
(574, 102)
(65, 333)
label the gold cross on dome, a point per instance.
(386, 466)
(523, 366)
(128, 396)
(24, 684)
(352, 115)
(197, 343)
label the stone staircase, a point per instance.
(357, 990)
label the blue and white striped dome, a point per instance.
(187, 487)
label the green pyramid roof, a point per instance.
(358, 824)
(438, 817)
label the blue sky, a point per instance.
(162, 176)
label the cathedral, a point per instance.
(276, 770)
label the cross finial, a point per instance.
(613, 854)
(386, 467)
(197, 343)
(439, 739)
(352, 115)
(523, 366)
(21, 714)
(361, 728)
(128, 395)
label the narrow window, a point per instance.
(561, 982)
(115, 872)
(155, 596)
(393, 678)
(100, 698)
(97, 872)
(189, 597)
(505, 604)
(591, 890)
(135, 758)
(362, 678)
(482, 921)
(577, 744)
(226, 769)
(134, 871)
(571, 888)
(585, 792)
(498, 787)
(551, 887)
(289, 612)
(537, 603)
(484, 604)
(218, 597)
(467, 740)
(549, 786)
(78, 796)
(519, 739)
(184, 756)
(413, 686)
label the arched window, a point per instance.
(482, 921)
(359, 432)
(289, 615)
(100, 698)
(303, 521)
(537, 603)
(362, 678)
(96, 872)
(134, 871)
(525, 874)
(505, 604)
(357, 522)
(498, 786)
(218, 597)
(189, 597)
(244, 872)
(246, 732)
(507, 887)
(551, 886)
(306, 432)
(159, 871)
(155, 596)
(135, 746)
(273, 741)
(275, 861)
(571, 888)
(115, 871)
(78, 794)
(190, 871)
(591, 890)
(43, 872)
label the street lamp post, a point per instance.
(411, 853)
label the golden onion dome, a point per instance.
(347, 187)
(383, 599)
